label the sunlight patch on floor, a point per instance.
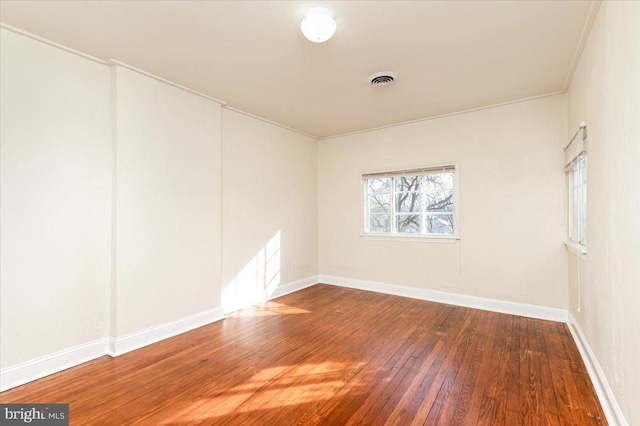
(269, 309)
(273, 388)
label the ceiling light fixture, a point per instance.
(318, 24)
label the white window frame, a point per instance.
(395, 236)
(576, 183)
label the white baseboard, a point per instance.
(608, 401)
(513, 308)
(294, 286)
(38, 368)
(138, 339)
(25, 372)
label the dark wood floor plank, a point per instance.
(425, 346)
(457, 405)
(558, 361)
(328, 355)
(353, 408)
(463, 349)
(497, 388)
(320, 412)
(470, 407)
(546, 380)
(346, 353)
(530, 400)
(486, 414)
(409, 406)
(513, 373)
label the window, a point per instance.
(576, 169)
(578, 201)
(410, 203)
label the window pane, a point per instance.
(582, 232)
(380, 204)
(574, 212)
(577, 202)
(408, 223)
(408, 202)
(379, 186)
(439, 224)
(408, 183)
(380, 223)
(572, 203)
(439, 192)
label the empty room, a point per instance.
(320, 213)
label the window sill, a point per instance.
(576, 249)
(443, 239)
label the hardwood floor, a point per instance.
(334, 356)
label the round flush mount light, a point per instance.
(318, 24)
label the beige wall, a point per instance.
(269, 208)
(167, 204)
(605, 92)
(511, 210)
(55, 177)
(64, 192)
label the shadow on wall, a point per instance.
(257, 280)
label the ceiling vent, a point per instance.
(382, 78)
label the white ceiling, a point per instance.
(450, 56)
